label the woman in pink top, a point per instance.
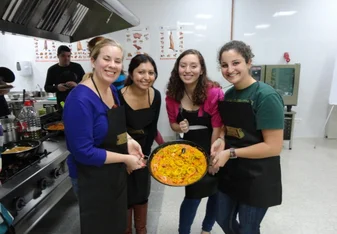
(192, 108)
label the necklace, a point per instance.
(189, 98)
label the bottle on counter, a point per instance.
(29, 122)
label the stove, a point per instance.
(31, 187)
(19, 165)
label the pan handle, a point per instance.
(49, 135)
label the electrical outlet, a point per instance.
(297, 120)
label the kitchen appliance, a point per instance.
(31, 186)
(65, 20)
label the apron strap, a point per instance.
(99, 94)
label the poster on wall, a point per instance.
(46, 50)
(171, 42)
(137, 42)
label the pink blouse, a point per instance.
(210, 106)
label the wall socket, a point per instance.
(297, 120)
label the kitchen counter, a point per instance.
(34, 190)
(36, 100)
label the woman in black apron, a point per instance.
(191, 104)
(142, 106)
(102, 176)
(252, 112)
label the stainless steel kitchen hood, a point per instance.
(64, 20)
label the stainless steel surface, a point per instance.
(9, 130)
(49, 109)
(15, 107)
(30, 193)
(196, 127)
(35, 215)
(65, 20)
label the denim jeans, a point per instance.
(249, 217)
(74, 181)
(188, 210)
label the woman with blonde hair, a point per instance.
(99, 144)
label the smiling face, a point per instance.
(189, 69)
(108, 64)
(234, 67)
(144, 75)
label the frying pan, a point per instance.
(185, 142)
(35, 144)
(22, 154)
(45, 127)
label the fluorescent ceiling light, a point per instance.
(185, 23)
(188, 32)
(203, 16)
(284, 13)
(200, 27)
(262, 26)
(248, 34)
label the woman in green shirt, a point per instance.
(253, 118)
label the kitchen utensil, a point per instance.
(177, 142)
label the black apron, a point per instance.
(255, 182)
(208, 185)
(139, 181)
(103, 190)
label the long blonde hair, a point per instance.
(94, 46)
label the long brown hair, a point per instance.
(176, 87)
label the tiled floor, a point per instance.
(309, 198)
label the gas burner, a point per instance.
(9, 171)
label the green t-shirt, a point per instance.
(267, 104)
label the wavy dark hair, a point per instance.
(176, 87)
(135, 62)
(240, 47)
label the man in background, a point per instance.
(63, 76)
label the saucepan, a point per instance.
(178, 163)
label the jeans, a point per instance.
(74, 181)
(249, 217)
(188, 210)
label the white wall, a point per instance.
(310, 36)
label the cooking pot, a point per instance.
(9, 130)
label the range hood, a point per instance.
(64, 20)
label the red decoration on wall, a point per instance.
(286, 57)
